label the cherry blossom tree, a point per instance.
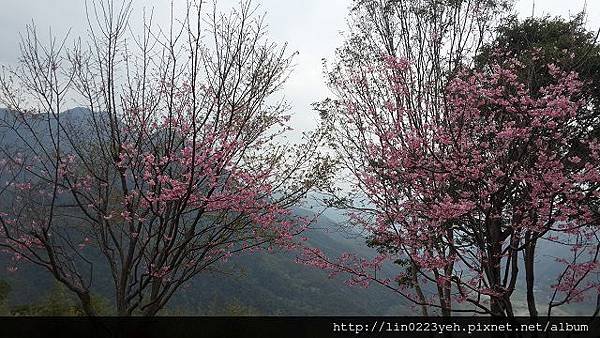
(174, 165)
(536, 42)
(455, 179)
(463, 197)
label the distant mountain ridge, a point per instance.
(267, 283)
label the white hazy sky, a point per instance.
(311, 27)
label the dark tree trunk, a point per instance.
(420, 295)
(529, 256)
(499, 305)
(86, 304)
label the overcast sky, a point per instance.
(311, 27)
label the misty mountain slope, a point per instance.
(267, 283)
(21, 132)
(275, 284)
